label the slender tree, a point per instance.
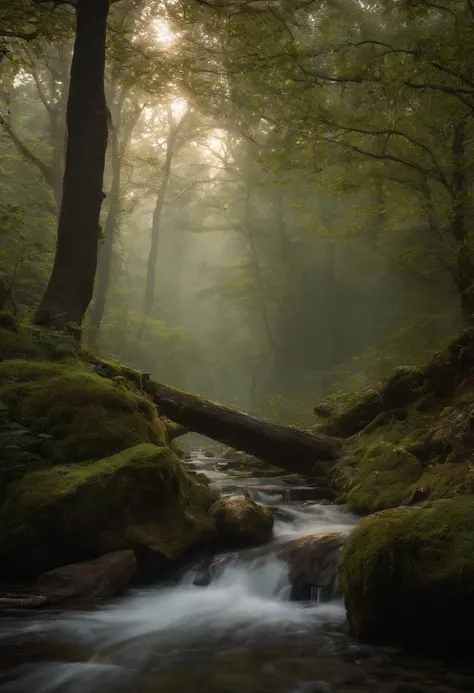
(175, 129)
(120, 137)
(72, 279)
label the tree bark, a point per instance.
(464, 273)
(71, 284)
(117, 151)
(149, 297)
(283, 446)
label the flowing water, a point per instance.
(234, 632)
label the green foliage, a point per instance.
(151, 345)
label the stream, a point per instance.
(233, 632)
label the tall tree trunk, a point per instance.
(261, 291)
(106, 250)
(71, 284)
(117, 152)
(464, 272)
(149, 297)
(58, 136)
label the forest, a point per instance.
(236, 317)
(287, 200)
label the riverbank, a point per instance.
(236, 633)
(89, 467)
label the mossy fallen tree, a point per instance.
(282, 446)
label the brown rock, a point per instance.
(313, 493)
(242, 521)
(268, 488)
(313, 564)
(103, 577)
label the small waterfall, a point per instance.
(265, 576)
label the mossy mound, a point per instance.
(19, 340)
(140, 499)
(417, 386)
(88, 416)
(408, 575)
(423, 456)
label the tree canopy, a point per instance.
(287, 185)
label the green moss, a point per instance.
(408, 573)
(8, 321)
(249, 465)
(384, 478)
(88, 416)
(28, 341)
(446, 481)
(140, 498)
(403, 460)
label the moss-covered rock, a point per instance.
(407, 386)
(407, 575)
(88, 416)
(19, 340)
(383, 478)
(140, 499)
(425, 455)
(241, 521)
(252, 466)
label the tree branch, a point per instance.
(379, 157)
(442, 8)
(470, 4)
(414, 53)
(18, 35)
(45, 169)
(397, 133)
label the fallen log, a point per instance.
(283, 446)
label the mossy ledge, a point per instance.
(407, 576)
(96, 472)
(411, 439)
(428, 385)
(88, 416)
(139, 499)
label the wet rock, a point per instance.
(281, 513)
(315, 687)
(311, 493)
(313, 564)
(269, 489)
(209, 454)
(407, 576)
(103, 577)
(406, 687)
(240, 520)
(22, 601)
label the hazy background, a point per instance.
(284, 273)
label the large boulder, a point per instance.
(140, 499)
(84, 416)
(241, 521)
(313, 562)
(103, 577)
(407, 575)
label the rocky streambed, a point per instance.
(265, 619)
